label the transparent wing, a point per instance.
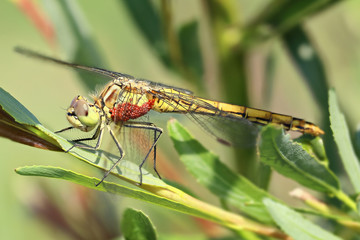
(136, 141)
(225, 127)
(229, 131)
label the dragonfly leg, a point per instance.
(155, 140)
(63, 130)
(148, 126)
(122, 154)
(98, 134)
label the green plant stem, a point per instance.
(164, 195)
(325, 210)
(345, 199)
(218, 215)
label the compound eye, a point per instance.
(83, 115)
(72, 104)
(81, 108)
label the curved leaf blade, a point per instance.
(150, 25)
(164, 196)
(74, 35)
(343, 141)
(20, 125)
(291, 160)
(294, 224)
(137, 226)
(283, 15)
(216, 176)
(16, 110)
(60, 173)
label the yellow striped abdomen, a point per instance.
(266, 117)
(208, 107)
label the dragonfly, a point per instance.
(125, 99)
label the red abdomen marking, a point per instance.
(126, 111)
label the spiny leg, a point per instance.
(63, 130)
(154, 167)
(98, 134)
(122, 154)
(148, 126)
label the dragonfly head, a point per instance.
(82, 114)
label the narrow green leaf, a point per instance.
(216, 176)
(74, 35)
(190, 49)
(150, 25)
(137, 226)
(290, 159)
(59, 173)
(176, 200)
(357, 140)
(331, 215)
(343, 141)
(14, 108)
(20, 125)
(308, 62)
(294, 224)
(283, 15)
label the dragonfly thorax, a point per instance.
(82, 115)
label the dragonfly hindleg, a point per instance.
(157, 130)
(122, 154)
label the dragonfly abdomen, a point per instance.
(288, 122)
(209, 107)
(301, 125)
(263, 117)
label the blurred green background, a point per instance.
(46, 90)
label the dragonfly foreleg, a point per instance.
(63, 130)
(122, 154)
(98, 134)
(148, 126)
